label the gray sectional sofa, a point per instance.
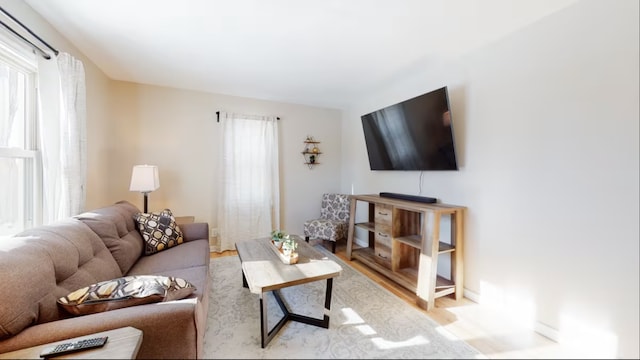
(44, 263)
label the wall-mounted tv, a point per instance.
(416, 134)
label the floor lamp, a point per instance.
(144, 179)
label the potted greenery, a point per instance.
(289, 245)
(278, 237)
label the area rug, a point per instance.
(367, 321)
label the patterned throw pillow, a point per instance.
(159, 231)
(123, 292)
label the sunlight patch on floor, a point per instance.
(515, 304)
(446, 333)
(585, 339)
(366, 330)
(386, 344)
(352, 316)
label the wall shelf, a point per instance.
(311, 152)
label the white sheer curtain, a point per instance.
(249, 197)
(62, 125)
(8, 166)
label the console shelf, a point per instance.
(404, 244)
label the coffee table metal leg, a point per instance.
(324, 322)
(267, 335)
(244, 278)
(264, 325)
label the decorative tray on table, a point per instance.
(289, 260)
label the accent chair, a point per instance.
(333, 224)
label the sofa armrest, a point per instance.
(173, 329)
(195, 231)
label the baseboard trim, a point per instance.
(471, 295)
(538, 327)
(360, 242)
(547, 331)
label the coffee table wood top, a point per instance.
(264, 271)
(123, 343)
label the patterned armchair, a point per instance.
(333, 224)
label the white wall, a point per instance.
(177, 130)
(546, 125)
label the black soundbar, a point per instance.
(422, 199)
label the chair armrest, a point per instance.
(195, 231)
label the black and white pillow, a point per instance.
(159, 231)
(123, 292)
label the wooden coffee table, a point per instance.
(264, 272)
(123, 343)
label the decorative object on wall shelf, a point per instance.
(311, 151)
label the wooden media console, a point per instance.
(404, 244)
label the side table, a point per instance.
(184, 219)
(123, 343)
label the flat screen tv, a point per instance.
(415, 134)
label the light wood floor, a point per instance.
(491, 333)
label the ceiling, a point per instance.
(315, 52)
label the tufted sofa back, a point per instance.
(42, 264)
(116, 227)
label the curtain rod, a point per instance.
(218, 115)
(42, 52)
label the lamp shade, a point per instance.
(144, 178)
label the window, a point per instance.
(20, 195)
(249, 195)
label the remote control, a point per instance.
(71, 347)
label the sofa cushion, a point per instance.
(42, 264)
(189, 254)
(115, 226)
(159, 231)
(123, 292)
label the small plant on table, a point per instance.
(289, 245)
(278, 236)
